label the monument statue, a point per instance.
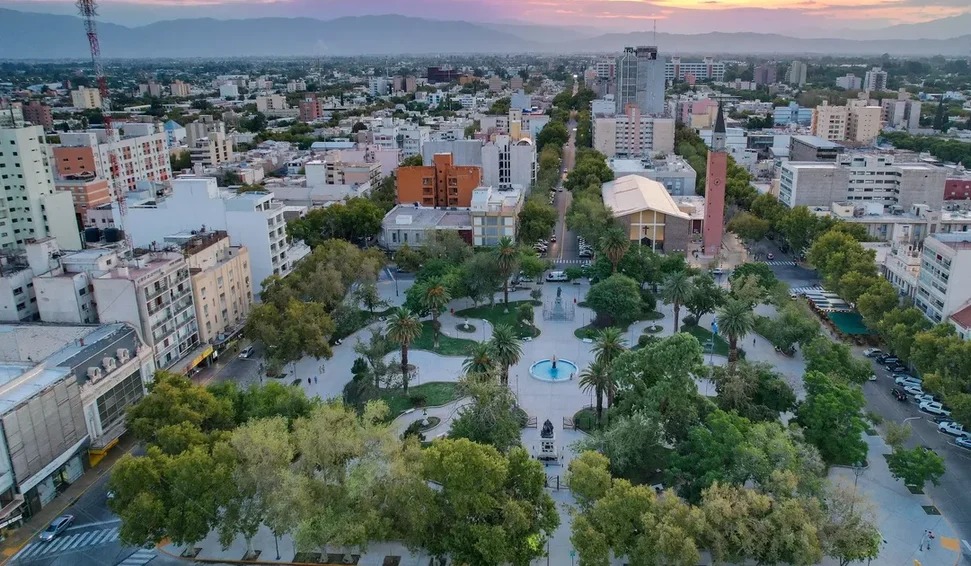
(547, 431)
(554, 361)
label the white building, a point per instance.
(271, 104)
(33, 209)
(153, 293)
(64, 291)
(945, 269)
(495, 215)
(413, 137)
(849, 82)
(507, 163)
(139, 156)
(378, 86)
(633, 134)
(677, 176)
(64, 391)
(85, 98)
(228, 90)
(705, 70)
(252, 219)
(875, 80)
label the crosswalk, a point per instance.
(67, 542)
(801, 290)
(780, 263)
(141, 557)
(572, 261)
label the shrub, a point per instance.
(690, 320)
(417, 399)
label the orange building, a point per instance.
(74, 160)
(440, 185)
(87, 190)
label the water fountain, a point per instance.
(553, 370)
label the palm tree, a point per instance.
(435, 299)
(607, 345)
(676, 289)
(506, 349)
(614, 245)
(480, 360)
(403, 328)
(735, 320)
(597, 377)
(506, 256)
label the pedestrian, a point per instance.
(753, 342)
(308, 381)
(315, 380)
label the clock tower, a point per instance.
(715, 178)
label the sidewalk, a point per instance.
(31, 527)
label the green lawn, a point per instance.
(703, 335)
(360, 319)
(496, 315)
(447, 346)
(431, 394)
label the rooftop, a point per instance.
(633, 193)
(962, 316)
(953, 240)
(817, 142)
(409, 216)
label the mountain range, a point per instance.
(28, 35)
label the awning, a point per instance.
(194, 358)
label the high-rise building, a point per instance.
(441, 184)
(830, 122)
(640, 81)
(137, 157)
(864, 122)
(633, 134)
(945, 268)
(875, 80)
(716, 177)
(792, 114)
(33, 208)
(765, 74)
(85, 98)
(705, 70)
(311, 107)
(38, 114)
(850, 82)
(797, 73)
(180, 89)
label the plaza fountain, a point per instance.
(553, 370)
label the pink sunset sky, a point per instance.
(812, 17)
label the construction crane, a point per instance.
(89, 11)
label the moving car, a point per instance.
(872, 352)
(898, 394)
(935, 408)
(246, 352)
(953, 429)
(557, 276)
(770, 256)
(57, 526)
(963, 442)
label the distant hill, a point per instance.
(28, 35)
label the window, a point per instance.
(112, 405)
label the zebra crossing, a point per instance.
(802, 290)
(141, 557)
(780, 263)
(572, 261)
(67, 542)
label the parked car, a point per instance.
(954, 429)
(557, 276)
(880, 357)
(898, 394)
(890, 360)
(942, 419)
(914, 389)
(57, 526)
(924, 398)
(872, 352)
(963, 442)
(893, 369)
(246, 352)
(873, 377)
(770, 256)
(935, 408)
(905, 375)
(905, 381)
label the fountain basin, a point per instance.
(543, 370)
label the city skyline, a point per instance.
(802, 17)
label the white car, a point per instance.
(872, 352)
(935, 408)
(246, 352)
(924, 398)
(953, 429)
(914, 389)
(905, 381)
(557, 276)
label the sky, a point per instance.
(798, 17)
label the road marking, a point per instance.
(67, 543)
(98, 524)
(56, 545)
(139, 558)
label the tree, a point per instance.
(616, 300)
(800, 227)
(403, 328)
(367, 295)
(536, 220)
(832, 417)
(752, 390)
(849, 533)
(506, 349)
(836, 360)
(588, 478)
(506, 259)
(735, 321)
(180, 161)
(480, 361)
(916, 467)
(174, 400)
(614, 245)
(879, 299)
(634, 444)
(296, 330)
(479, 277)
(676, 290)
(524, 313)
(489, 508)
(597, 378)
(608, 345)
(412, 161)
(765, 277)
(354, 220)
(704, 296)
(748, 226)
(435, 299)
(900, 327)
(491, 418)
(554, 134)
(792, 326)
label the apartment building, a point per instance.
(310, 108)
(495, 215)
(901, 267)
(677, 176)
(212, 151)
(253, 219)
(875, 80)
(633, 134)
(518, 124)
(64, 392)
(945, 269)
(849, 82)
(85, 98)
(830, 122)
(765, 74)
(797, 73)
(38, 114)
(180, 89)
(901, 112)
(862, 178)
(275, 106)
(33, 208)
(222, 288)
(705, 70)
(151, 88)
(137, 157)
(441, 184)
(640, 76)
(792, 114)
(864, 122)
(87, 191)
(63, 287)
(329, 171)
(152, 292)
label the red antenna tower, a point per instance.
(89, 11)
